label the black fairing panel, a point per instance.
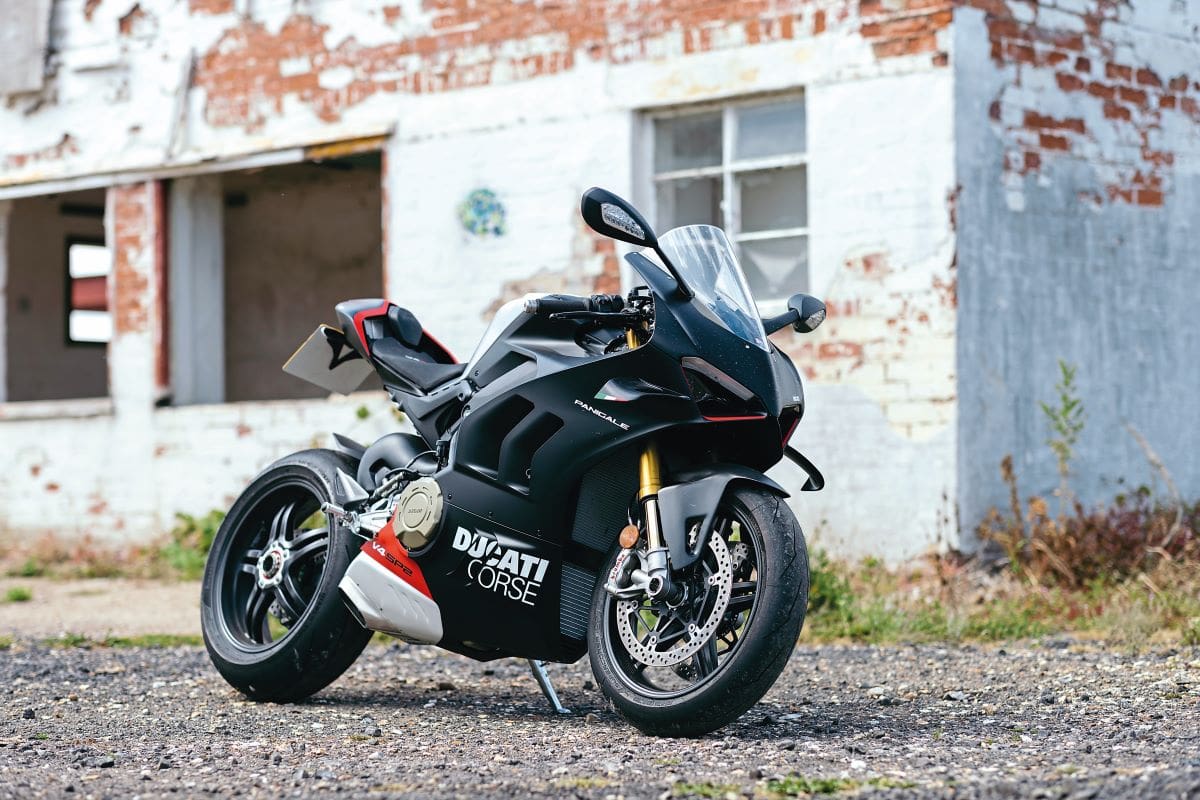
(693, 499)
(538, 425)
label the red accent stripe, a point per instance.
(787, 436)
(367, 314)
(735, 419)
(445, 350)
(395, 558)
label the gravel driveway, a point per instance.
(1045, 721)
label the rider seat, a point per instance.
(407, 357)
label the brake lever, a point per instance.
(615, 317)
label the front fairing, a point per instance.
(685, 328)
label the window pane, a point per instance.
(770, 130)
(87, 260)
(773, 199)
(687, 142)
(89, 326)
(776, 267)
(689, 202)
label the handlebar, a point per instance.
(561, 303)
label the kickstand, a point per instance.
(543, 679)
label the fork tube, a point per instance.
(649, 482)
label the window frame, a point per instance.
(70, 241)
(729, 168)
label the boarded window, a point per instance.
(88, 318)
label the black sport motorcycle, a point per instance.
(591, 480)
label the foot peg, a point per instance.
(543, 679)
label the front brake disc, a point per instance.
(647, 649)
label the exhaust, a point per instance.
(382, 601)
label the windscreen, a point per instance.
(707, 264)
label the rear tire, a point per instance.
(751, 665)
(293, 637)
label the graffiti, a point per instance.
(482, 214)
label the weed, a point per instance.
(68, 640)
(1066, 421)
(792, 785)
(18, 594)
(1191, 633)
(582, 782)
(6, 642)
(41, 736)
(146, 640)
(29, 569)
(362, 412)
(703, 789)
(189, 541)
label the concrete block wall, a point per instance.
(1078, 155)
(535, 103)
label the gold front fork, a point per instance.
(649, 482)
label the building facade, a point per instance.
(977, 189)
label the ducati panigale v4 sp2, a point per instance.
(589, 481)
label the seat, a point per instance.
(413, 367)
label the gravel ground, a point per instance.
(1055, 720)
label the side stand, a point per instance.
(543, 679)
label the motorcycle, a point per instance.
(590, 481)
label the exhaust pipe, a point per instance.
(381, 601)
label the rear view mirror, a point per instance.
(810, 312)
(616, 218)
(804, 314)
(607, 214)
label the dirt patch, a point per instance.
(98, 607)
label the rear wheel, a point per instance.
(690, 669)
(273, 620)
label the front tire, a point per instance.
(273, 620)
(742, 658)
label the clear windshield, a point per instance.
(706, 261)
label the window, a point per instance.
(741, 167)
(88, 318)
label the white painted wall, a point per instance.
(881, 152)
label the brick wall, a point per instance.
(535, 104)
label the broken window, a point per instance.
(258, 259)
(56, 320)
(88, 318)
(741, 167)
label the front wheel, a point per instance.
(690, 669)
(273, 620)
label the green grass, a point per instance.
(187, 546)
(797, 785)
(18, 594)
(941, 601)
(30, 568)
(582, 782)
(5, 642)
(152, 640)
(704, 789)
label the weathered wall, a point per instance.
(536, 102)
(881, 375)
(40, 363)
(298, 239)
(1078, 132)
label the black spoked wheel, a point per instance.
(273, 620)
(273, 569)
(669, 651)
(688, 669)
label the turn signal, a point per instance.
(629, 536)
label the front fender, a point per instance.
(694, 498)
